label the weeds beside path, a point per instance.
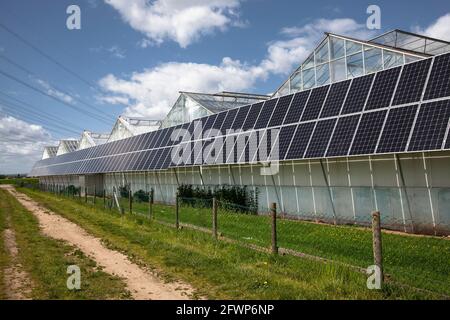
(141, 283)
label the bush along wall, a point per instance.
(141, 196)
(233, 198)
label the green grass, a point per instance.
(20, 182)
(422, 262)
(218, 269)
(46, 260)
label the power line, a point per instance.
(25, 105)
(84, 112)
(47, 56)
(50, 58)
(30, 73)
(36, 118)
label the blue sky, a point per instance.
(138, 54)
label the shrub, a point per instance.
(124, 191)
(141, 196)
(234, 198)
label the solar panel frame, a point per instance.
(302, 136)
(280, 110)
(335, 99)
(298, 104)
(412, 82)
(431, 126)
(320, 138)
(266, 113)
(315, 103)
(438, 85)
(368, 132)
(252, 116)
(342, 137)
(383, 88)
(399, 123)
(358, 94)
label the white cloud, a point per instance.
(21, 144)
(152, 92)
(115, 51)
(439, 29)
(53, 92)
(181, 21)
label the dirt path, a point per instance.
(142, 283)
(18, 283)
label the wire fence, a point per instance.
(311, 237)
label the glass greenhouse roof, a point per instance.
(193, 105)
(338, 58)
(413, 42)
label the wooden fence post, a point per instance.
(95, 193)
(150, 203)
(214, 218)
(104, 199)
(377, 248)
(177, 209)
(130, 201)
(85, 194)
(273, 211)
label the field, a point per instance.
(418, 266)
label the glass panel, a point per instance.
(322, 53)
(355, 65)
(436, 47)
(372, 60)
(284, 90)
(352, 47)
(308, 78)
(309, 62)
(296, 82)
(410, 42)
(338, 70)
(410, 58)
(323, 74)
(336, 48)
(392, 59)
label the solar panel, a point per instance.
(315, 102)
(412, 81)
(219, 120)
(132, 165)
(265, 114)
(300, 141)
(439, 82)
(321, 137)
(252, 116)
(335, 99)
(431, 126)
(369, 129)
(211, 149)
(284, 139)
(280, 111)
(343, 136)
(383, 89)
(229, 119)
(357, 95)
(209, 124)
(397, 129)
(163, 162)
(240, 117)
(296, 108)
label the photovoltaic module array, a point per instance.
(402, 109)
